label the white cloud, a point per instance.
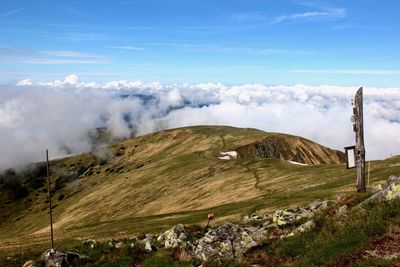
(36, 115)
(327, 13)
(25, 82)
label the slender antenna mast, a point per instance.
(50, 207)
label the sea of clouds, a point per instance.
(57, 115)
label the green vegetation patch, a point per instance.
(337, 236)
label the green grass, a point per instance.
(335, 237)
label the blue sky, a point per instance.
(336, 42)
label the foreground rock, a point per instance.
(228, 242)
(53, 258)
(390, 191)
(174, 237)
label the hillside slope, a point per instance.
(154, 181)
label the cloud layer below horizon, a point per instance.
(58, 114)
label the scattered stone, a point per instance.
(342, 209)
(119, 245)
(89, 243)
(304, 228)
(112, 243)
(148, 246)
(30, 263)
(149, 237)
(323, 206)
(227, 242)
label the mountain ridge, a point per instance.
(167, 177)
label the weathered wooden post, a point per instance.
(359, 132)
(49, 194)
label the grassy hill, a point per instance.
(149, 183)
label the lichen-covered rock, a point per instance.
(388, 192)
(283, 217)
(227, 242)
(174, 237)
(304, 228)
(53, 258)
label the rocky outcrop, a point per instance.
(293, 148)
(227, 242)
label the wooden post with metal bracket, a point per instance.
(359, 132)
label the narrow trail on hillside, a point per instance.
(255, 175)
(223, 141)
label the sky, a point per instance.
(290, 66)
(337, 42)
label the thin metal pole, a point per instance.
(50, 207)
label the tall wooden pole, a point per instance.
(50, 207)
(360, 148)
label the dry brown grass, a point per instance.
(157, 180)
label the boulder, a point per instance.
(227, 242)
(390, 191)
(174, 237)
(55, 258)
